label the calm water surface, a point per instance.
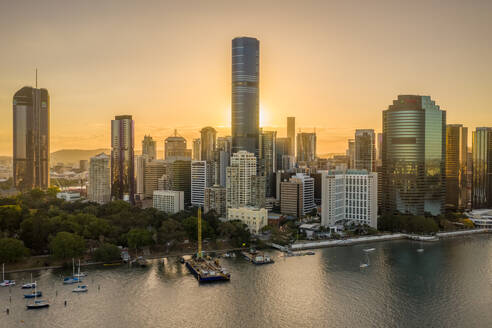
(448, 285)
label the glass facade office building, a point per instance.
(245, 101)
(414, 151)
(456, 166)
(31, 137)
(482, 168)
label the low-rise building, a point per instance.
(254, 218)
(69, 196)
(169, 201)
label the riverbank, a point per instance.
(370, 239)
(159, 255)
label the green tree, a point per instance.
(170, 230)
(12, 250)
(67, 245)
(107, 252)
(138, 238)
(190, 224)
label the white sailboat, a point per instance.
(6, 283)
(72, 279)
(80, 274)
(80, 288)
(37, 304)
(29, 285)
(365, 265)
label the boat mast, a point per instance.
(199, 255)
(3, 271)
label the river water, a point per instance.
(448, 285)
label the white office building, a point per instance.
(168, 201)
(254, 218)
(349, 196)
(307, 191)
(200, 179)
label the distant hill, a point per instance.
(75, 155)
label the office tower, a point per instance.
(154, 170)
(379, 160)
(31, 138)
(456, 166)
(282, 148)
(258, 191)
(122, 158)
(83, 164)
(215, 199)
(351, 154)
(297, 195)
(254, 218)
(365, 150)
(222, 160)
(245, 101)
(291, 198)
(208, 143)
(306, 147)
(349, 196)
(99, 189)
(200, 179)
(181, 178)
(414, 152)
(197, 152)
(238, 184)
(267, 158)
(291, 135)
(175, 148)
(225, 144)
(168, 201)
(149, 148)
(482, 168)
(140, 161)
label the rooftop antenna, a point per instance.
(36, 77)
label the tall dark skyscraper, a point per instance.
(291, 134)
(365, 150)
(414, 152)
(456, 166)
(31, 130)
(245, 101)
(208, 143)
(122, 158)
(482, 168)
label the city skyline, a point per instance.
(349, 78)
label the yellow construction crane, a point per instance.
(199, 255)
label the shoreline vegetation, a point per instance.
(38, 230)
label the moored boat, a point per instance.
(80, 289)
(33, 295)
(6, 283)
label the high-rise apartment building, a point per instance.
(414, 153)
(245, 101)
(238, 184)
(482, 168)
(365, 150)
(99, 189)
(149, 148)
(215, 199)
(306, 147)
(197, 152)
(122, 158)
(154, 170)
(140, 162)
(349, 197)
(456, 166)
(224, 144)
(175, 148)
(31, 138)
(291, 134)
(208, 143)
(258, 191)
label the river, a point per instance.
(447, 285)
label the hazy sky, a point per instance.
(335, 65)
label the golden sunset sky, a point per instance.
(334, 65)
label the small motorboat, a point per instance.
(33, 295)
(29, 285)
(310, 253)
(80, 289)
(364, 265)
(71, 280)
(367, 250)
(38, 304)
